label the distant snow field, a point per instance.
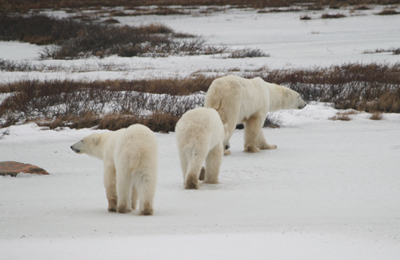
(330, 190)
(291, 43)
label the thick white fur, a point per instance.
(248, 101)
(130, 157)
(200, 135)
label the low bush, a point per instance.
(247, 53)
(376, 116)
(23, 6)
(77, 39)
(305, 17)
(344, 116)
(388, 12)
(395, 51)
(57, 103)
(332, 16)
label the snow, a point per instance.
(330, 190)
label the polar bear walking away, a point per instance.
(240, 100)
(130, 157)
(200, 135)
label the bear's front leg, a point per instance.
(110, 185)
(251, 131)
(262, 143)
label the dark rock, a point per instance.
(13, 168)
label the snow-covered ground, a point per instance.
(330, 190)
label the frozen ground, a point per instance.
(330, 190)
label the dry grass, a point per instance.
(23, 6)
(77, 39)
(344, 116)
(107, 104)
(388, 12)
(159, 103)
(395, 51)
(376, 116)
(332, 16)
(247, 53)
(305, 17)
(362, 8)
(81, 39)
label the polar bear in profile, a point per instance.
(200, 137)
(239, 100)
(130, 157)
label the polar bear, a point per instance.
(200, 135)
(248, 101)
(130, 157)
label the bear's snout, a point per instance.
(75, 149)
(302, 106)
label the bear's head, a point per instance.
(87, 144)
(295, 101)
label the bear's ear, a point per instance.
(96, 140)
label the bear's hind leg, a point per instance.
(213, 164)
(202, 174)
(198, 155)
(192, 181)
(124, 190)
(184, 164)
(110, 185)
(146, 188)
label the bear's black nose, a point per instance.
(74, 149)
(227, 147)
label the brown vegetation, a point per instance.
(305, 17)
(22, 6)
(332, 16)
(388, 12)
(376, 116)
(159, 103)
(344, 116)
(78, 39)
(395, 51)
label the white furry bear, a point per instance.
(130, 157)
(248, 101)
(200, 135)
